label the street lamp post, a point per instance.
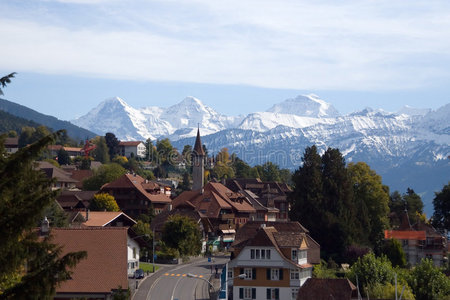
(153, 250)
(222, 286)
(190, 275)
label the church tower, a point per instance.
(198, 164)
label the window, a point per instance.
(295, 274)
(259, 254)
(230, 273)
(294, 293)
(275, 274)
(273, 294)
(248, 273)
(302, 254)
(247, 293)
(134, 252)
(294, 254)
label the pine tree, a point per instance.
(24, 195)
(441, 203)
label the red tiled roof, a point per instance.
(405, 235)
(105, 267)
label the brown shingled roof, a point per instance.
(105, 267)
(327, 289)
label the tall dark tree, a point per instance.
(113, 144)
(63, 157)
(441, 203)
(182, 233)
(306, 198)
(414, 204)
(241, 168)
(24, 195)
(410, 202)
(337, 200)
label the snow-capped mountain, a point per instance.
(305, 106)
(409, 148)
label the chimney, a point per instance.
(45, 227)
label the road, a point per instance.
(171, 282)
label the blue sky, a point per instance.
(236, 56)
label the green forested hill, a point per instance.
(10, 122)
(26, 113)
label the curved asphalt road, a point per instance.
(172, 283)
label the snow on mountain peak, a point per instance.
(412, 111)
(305, 106)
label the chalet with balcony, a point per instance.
(226, 210)
(268, 198)
(136, 195)
(274, 257)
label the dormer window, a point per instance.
(294, 254)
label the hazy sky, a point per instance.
(236, 56)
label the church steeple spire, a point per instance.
(198, 167)
(198, 148)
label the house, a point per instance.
(227, 211)
(71, 151)
(106, 267)
(136, 195)
(106, 219)
(419, 241)
(326, 289)
(187, 210)
(75, 200)
(132, 149)
(78, 175)
(268, 198)
(274, 258)
(62, 178)
(12, 145)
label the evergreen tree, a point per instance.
(394, 251)
(270, 172)
(63, 157)
(101, 152)
(5, 80)
(113, 144)
(337, 200)
(441, 203)
(414, 204)
(306, 198)
(24, 195)
(241, 168)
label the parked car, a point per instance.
(139, 273)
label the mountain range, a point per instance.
(408, 148)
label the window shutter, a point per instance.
(281, 274)
(268, 294)
(241, 293)
(254, 273)
(268, 274)
(253, 293)
(277, 294)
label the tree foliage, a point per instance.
(372, 202)
(104, 202)
(101, 152)
(428, 282)
(410, 202)
(113, 144)
(394, 251)
(5, 80)
(104, 174)
(24, 195)
(441, 203)
(183, 234)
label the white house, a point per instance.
(133, 148)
